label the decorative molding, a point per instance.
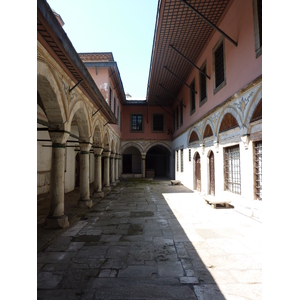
(246, 139)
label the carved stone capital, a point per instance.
(98, 150)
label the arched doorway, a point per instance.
(197, 172)
(158, 161)
(132, 161)
(211, 164)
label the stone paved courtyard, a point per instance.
(151, 240)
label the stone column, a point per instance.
(57, 217)
(143, 165)
(117, 167)
(98, 173)
(112, 169)
(120, 165)
(106, 179)
(84, 199)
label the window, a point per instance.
(258, 170)
(118, 115)
(115, 102)
(177, 161)
(137, 123)
(181, 160)
(177, 124)
(202, 84)
(257, 15)
(219, 66)
(181, 113)
(110, 97)
(232, 169)
(190, 154)
(158, 124)
(192, 97)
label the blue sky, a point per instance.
(123, 27)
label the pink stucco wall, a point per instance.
(241, 64)
(100, 79)
(146, 134)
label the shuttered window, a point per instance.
(158, 122)
(258, 170)
(232, 169)
(202, 84)
(219, 66)
(192, 96)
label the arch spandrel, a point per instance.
(231, 110)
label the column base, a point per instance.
(107, 188)
(117, 181)
(113, 183)
(85, 203)
(98, 194)
(56, 222)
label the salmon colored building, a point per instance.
(201, 122)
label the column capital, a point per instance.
(113, 155)
(85, 146)
(98, 150)
(58, 137)
(106, 153)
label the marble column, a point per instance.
(112, 169)
(84, 187)
(143, 165)
(106, 179)
(57, 217)
(98, 173)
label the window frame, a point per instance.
(232, 170)
(131, 119)
(223, 83)
(152, 122)
(192, 97)
(257, 169)
(202, 77)
(257, 33)
(181, 160)
(181, 113)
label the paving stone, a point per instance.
(138, 271)
(48, 280)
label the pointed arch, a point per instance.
(257, 101)
(193, 136)
(232, 111)
(132, 144)
(228, 122)
(79, 114)
(106, 141)
(205, 128)
(148, 147)
(49, 96)
(97, 134)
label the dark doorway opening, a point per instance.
(197, 172)
(127, 163)
(158, 161)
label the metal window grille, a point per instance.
(190, 154)
(181, 160)
(177, 161)
(219, 65)
(137, 124)
(258, 169)
(232, 170)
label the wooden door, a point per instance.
(211, 189)
(198, 172)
